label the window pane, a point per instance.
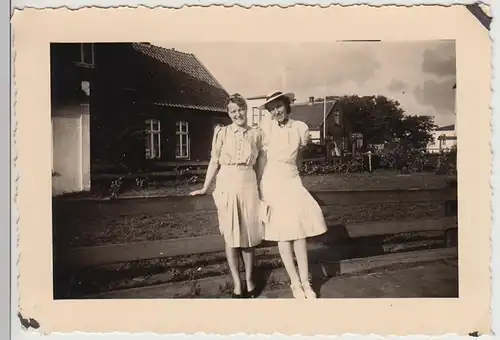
(87, 53)
(155, 125)
(178, 146)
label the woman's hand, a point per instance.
(202, 191)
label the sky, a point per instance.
(419, 74)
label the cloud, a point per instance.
(397, 85)
(439, 95)
(440, 61)
(339, 67)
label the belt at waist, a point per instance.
(236, 166)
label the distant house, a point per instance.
(445, 138)
(311, 113)
(125, 107)
(338, 130)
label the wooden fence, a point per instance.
(116, 253)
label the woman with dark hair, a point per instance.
(293, 213)
(235, 149)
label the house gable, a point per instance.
(312, 113)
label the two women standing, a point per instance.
(258, 168)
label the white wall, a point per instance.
(251, 103)
(436, 147)
(71, 150)
(315, 135)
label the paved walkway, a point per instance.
(434, 280)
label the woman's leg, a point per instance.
(300, 247)
(232, 255)
(248, 255)
(285, 249)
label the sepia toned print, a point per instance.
(378, 153)
(191, 170)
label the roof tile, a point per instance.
(187, 82)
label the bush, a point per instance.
(399, 158)
(312, 168)
(447, 162)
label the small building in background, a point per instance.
(445, 138)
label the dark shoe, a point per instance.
(236, 296)
(252, 295)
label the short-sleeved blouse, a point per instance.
(236, 145)
(283, 142)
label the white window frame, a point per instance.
(256, 122)
(182, 129)
(153, 145)
(82, 60)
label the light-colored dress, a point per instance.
(236, 192)
(293, 212)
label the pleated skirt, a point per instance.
(238, 205)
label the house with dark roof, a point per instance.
(338, 130)
(127, 108)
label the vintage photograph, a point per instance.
(320, 155)
(254, 170)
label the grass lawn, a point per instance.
(113, 230)
(381, 180)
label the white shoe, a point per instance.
(297, 291)
(308, 291)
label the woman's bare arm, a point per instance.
(260, 164)
(213, 165)
(213, 168)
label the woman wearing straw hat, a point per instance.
(235, 149)
(294, 215)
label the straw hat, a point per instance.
(276, 95)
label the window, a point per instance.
(153, 134)
(87, 54)
(336, 117)
(357, 139)
(256, 116)
(344, 144)
(182, 134)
